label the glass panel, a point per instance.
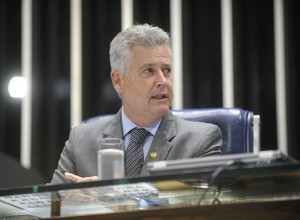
(242, 183)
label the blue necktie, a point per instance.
(134, 155)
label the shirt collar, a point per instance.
(128, 125)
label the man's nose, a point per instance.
(161, 78)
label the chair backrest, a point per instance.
(240, 128)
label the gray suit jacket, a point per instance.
(175, 139)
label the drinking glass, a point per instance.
(110, 159)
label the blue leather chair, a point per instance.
(240, 128)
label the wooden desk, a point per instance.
(275, 210)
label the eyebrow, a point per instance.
(152, 64)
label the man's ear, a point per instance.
(116, 81)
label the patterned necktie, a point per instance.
(134, 155)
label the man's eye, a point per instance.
(148, 70)
(167, 71)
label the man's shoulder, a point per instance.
(192, 124)
(179, 119)
(94, 124)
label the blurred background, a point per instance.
(232, 53)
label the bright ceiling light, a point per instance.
(17, 87)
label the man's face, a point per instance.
(146, 90)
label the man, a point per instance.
(141, 73)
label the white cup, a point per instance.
(110, 159)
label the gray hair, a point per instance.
(140, 34)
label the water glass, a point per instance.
(110, 159)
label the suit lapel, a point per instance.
(114, 128)
(161, 144)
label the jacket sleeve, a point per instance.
(65, 163)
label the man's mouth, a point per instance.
(160, 96)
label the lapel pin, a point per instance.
(153, 155)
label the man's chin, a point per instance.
(161, 110)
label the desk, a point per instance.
(269, 191)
